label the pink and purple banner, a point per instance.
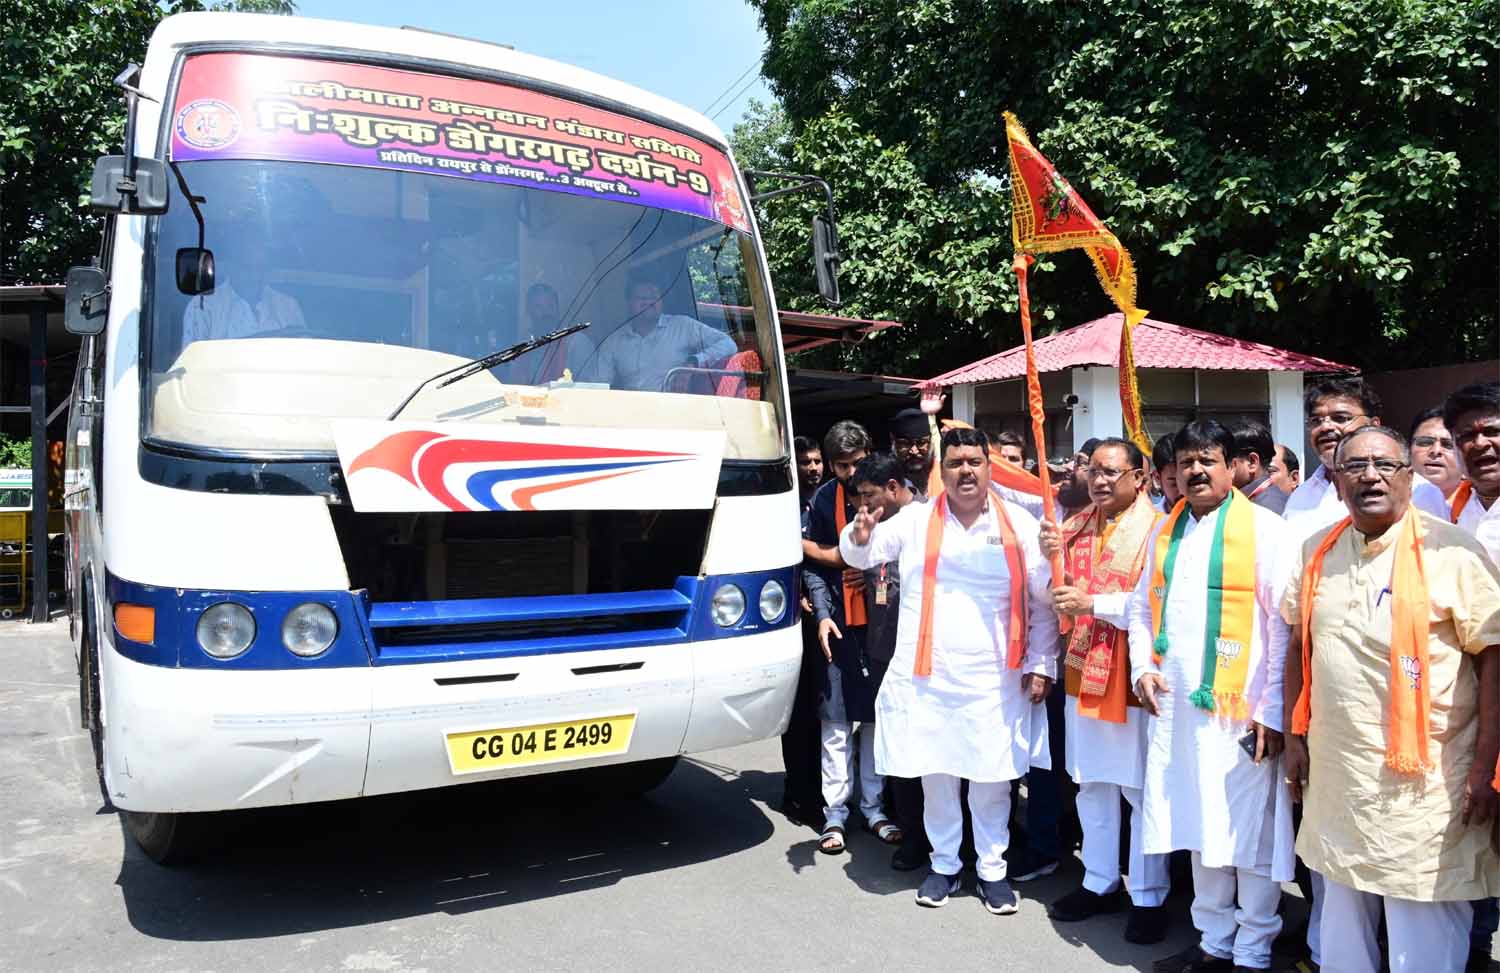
(253, 106)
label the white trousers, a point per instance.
(943, 817)
(838, 784)
(1243, 933)
(1430, 937)
(1099, 813)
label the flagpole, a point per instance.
(1034, 401)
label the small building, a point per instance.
(1183, 374)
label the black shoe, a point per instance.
(1081, 904)
(1193, 960)
(1146, 924)
(1028, 865)
(1292, 942)
(908, 859)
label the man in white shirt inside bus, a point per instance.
(243, 303)
(640, 355)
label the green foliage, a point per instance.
(1318, 174)
(61, 111)
(15, 452)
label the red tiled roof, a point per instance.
(1157, 345)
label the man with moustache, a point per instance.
(1432, 451)
(1207, 646)
(1288, 472)
(911, 444)
(802, 798)
(1474, 412)
(809, 458)
(1104, 549)
(975, 653)
(1395, 731)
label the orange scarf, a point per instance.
(1460, 499)
(854, 579)
(1406, 749)
(1013, 561)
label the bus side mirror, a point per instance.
(85, 301)
(826, 258)
(195, 270)
(141, 188)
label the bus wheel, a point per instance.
(167, 839)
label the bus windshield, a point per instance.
(339, 288)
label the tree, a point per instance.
(58, 61)
(1319, 174)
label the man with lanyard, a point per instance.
(1254, 456)
(1472, 415)
(976, 651)
(881, 480)
(1393, 702)
(1207, 646)
(1104, 549)
(847, 691)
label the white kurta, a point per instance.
(1483, 525)
(1098, 751)
(970, 718)
(1202, 792)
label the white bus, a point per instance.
(430, 426)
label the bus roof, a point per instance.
(209, 27)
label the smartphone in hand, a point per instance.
(1247, 743)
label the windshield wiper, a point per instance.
(494, 358)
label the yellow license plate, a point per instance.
(476, 751)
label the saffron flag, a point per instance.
(1048, 216)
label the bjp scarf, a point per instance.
(1406, 750)
(1230, 623)
(1460, 498)
(1104, 561)
(854, 579)
(1014, 561)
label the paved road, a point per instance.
(701, 874)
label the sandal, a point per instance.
(831, 841)
(886, 831)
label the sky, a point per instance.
(701, 53)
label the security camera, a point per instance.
(1070, 400)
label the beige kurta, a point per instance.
(1363, 824)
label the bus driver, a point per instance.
(640, 355)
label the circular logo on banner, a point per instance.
(208, 124)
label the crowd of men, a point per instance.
(1285, 678)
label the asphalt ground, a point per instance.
(703, 873)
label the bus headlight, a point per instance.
(226, 629)
(728, 605)
(309, 629)
(772, 601)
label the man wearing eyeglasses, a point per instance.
(1433, 454)
(1104, 548)
(1392, 707)
(1335, 408)
(911, 443)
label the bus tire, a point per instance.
(166, 838)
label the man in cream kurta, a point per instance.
(973, 718)
(1203, 792)
(1371, 832)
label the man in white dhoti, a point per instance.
(976, 652)
(1104, 548)
(1207, 651)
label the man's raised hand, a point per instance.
(864, 525)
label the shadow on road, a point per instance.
(458, 850)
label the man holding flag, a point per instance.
(1104, 548)
(976, 652)
(1207, 650)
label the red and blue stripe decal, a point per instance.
(511, 474)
